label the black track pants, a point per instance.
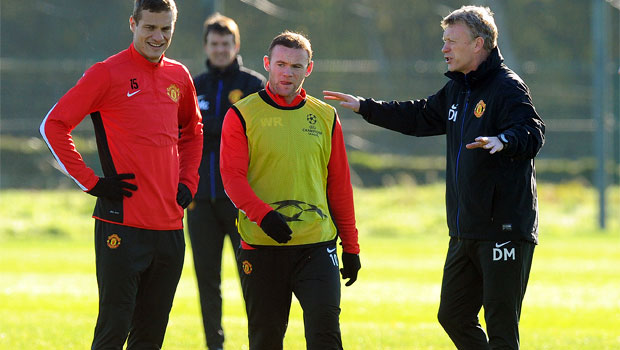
(268, 279)
(208, 224)
(137, 273)
(485, 274)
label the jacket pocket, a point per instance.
(477, 207)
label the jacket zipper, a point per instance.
(218, 97)
(458, 158)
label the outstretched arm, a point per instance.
(417, 118)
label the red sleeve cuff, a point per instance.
(340, 192)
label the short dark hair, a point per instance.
(154, 6)
(291, 40)
(222, 25)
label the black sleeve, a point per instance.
(518, 120)
(261, 82)
(423, 117)
(256, 82)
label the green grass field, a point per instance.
(48, 291)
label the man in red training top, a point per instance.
(284, 165)
(149, 137)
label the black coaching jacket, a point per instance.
(217, 90)
(488, 196)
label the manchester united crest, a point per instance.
(479, 110)
(247, 267)
(173, 92)
(113, 241)
(235, 95)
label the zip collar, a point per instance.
(139, 59)
(474, 78)
(234, 66)
(279, 100)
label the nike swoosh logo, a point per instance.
(498, 245)
(329, 251)
(133, 93)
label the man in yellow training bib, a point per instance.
(284, 166)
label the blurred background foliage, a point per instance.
(386, 49)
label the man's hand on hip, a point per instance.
(114, 187)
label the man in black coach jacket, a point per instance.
(491, 201)
(211, 216)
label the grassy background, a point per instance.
(48, 291)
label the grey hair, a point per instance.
(480, 22)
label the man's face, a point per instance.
(221, 49)
(153, 34)
(287, 69)
(459, 48)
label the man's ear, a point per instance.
(132, 24)
(266, 63)
(309, 69)
(479, 44)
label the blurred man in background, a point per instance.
(284, 166)
(149, 137)
(211, 216)
(491, 200)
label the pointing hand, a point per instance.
(348, 101)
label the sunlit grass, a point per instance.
(48, 291)
(46, 214)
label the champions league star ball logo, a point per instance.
(292, 210)
(311, 118)
(312, 129)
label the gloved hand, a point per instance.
(184, 195)
(350, 266)
(113, 187)
(275, 226)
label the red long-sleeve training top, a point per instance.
(147, 122)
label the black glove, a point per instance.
(113, 187)
(350, 265)
(275, 226)
(184, 195)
